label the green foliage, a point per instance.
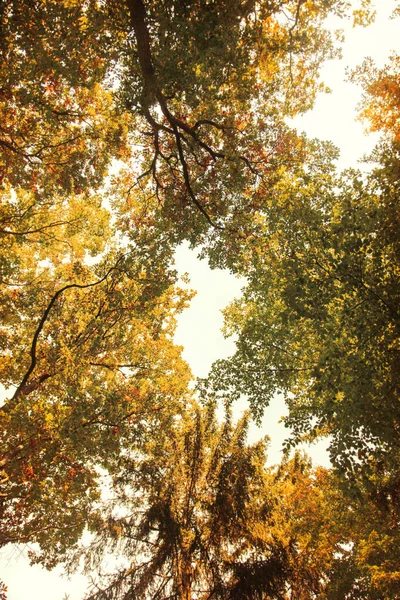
(59, 130)
(87, 295)
(342, 548)
(126, 128)
(319, 317)
(87, 94)
(196, 513)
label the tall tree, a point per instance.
(89, 360)
(88, 300)
(89, 297)
(198, 514)
(341, 547)
(319, 317)
(101, 77)
(191, 518)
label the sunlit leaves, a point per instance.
(88, 358)
(381, 102)
(201, 523)
(319, 317)
(184, 106)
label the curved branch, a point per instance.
(22, 388)
(153, 92)
(38, 230)
(187, 181)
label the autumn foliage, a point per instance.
(126, 129)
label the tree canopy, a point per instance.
(127, 128)
(319, 317)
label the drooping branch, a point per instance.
(152, 91)
(187, 180)
(36, 155)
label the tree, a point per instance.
(191, 518)
(381, 99)
(88, 300)
(319, 317)
(88, 359)
(59, 129)
(198, 514)
(208, 144)
(101, 78)
(342, 547)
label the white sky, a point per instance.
(333, 118)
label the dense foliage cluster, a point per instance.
(126, 128)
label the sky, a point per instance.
(333, 118)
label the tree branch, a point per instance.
(22, 388)
(153, 92)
